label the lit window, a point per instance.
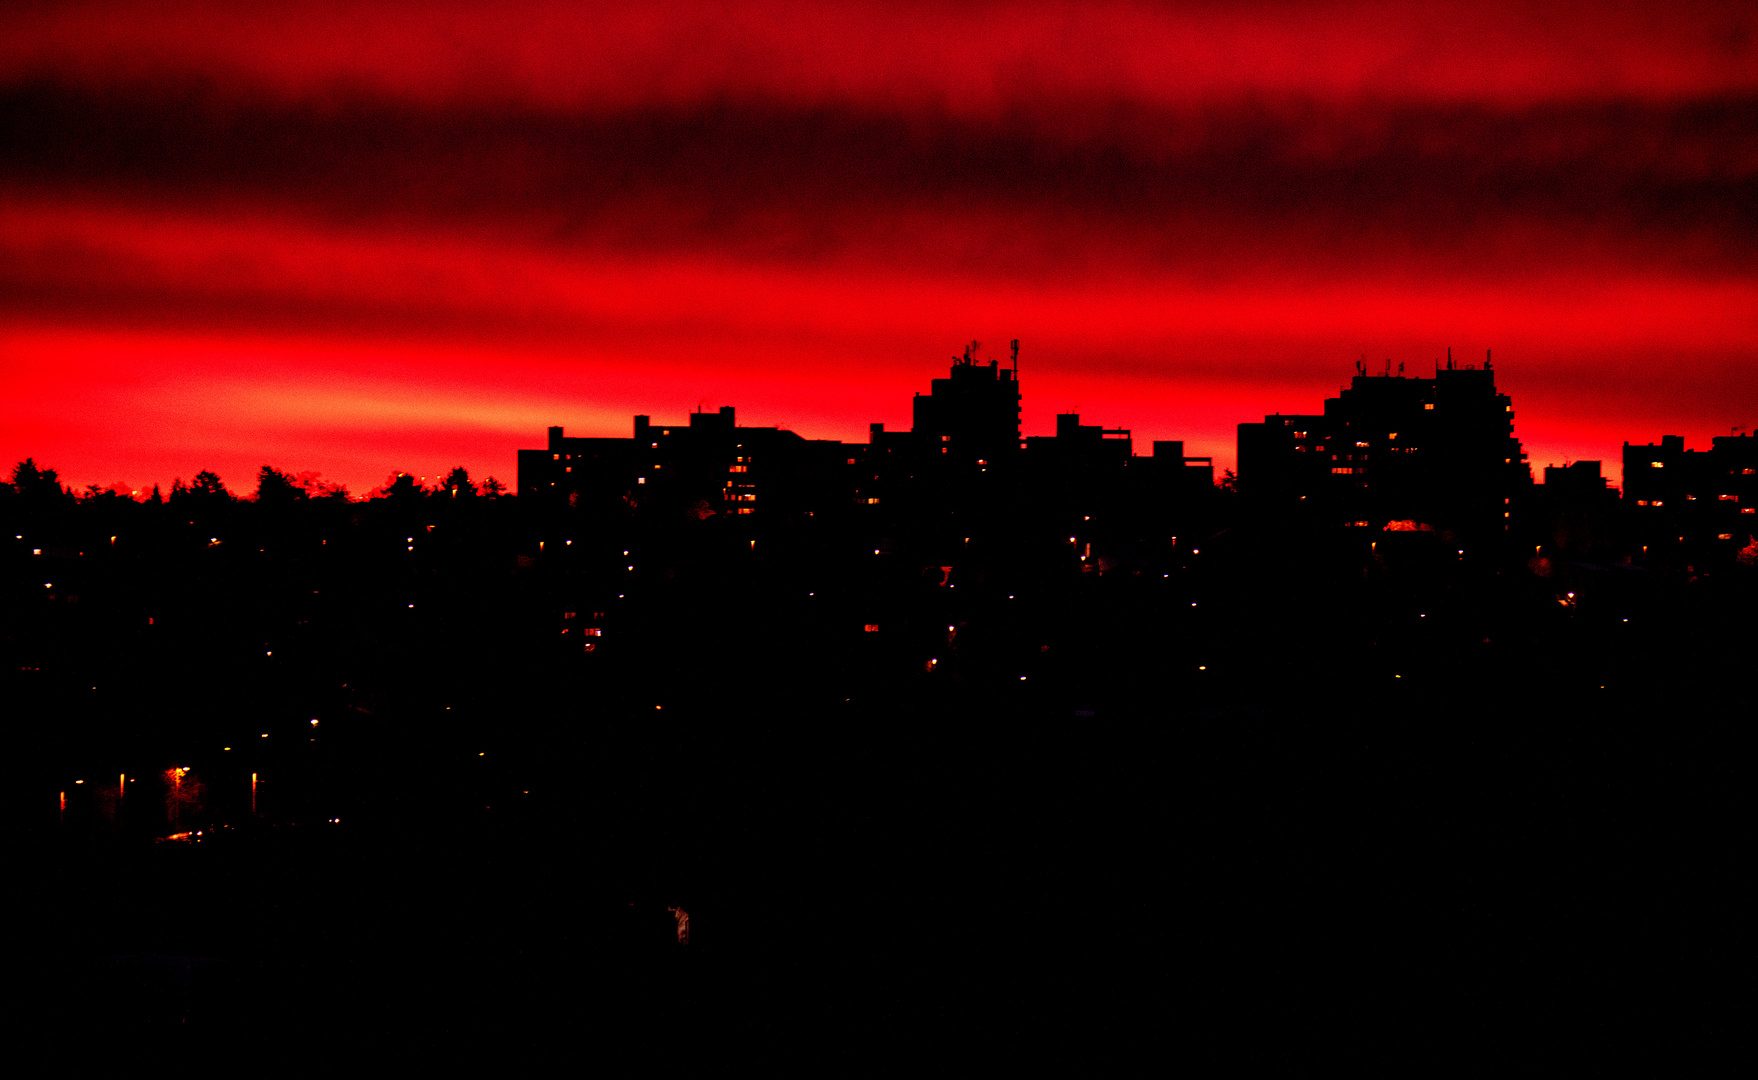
(945, 438)
(1358, 442)
(1342, 469)
(1730, 498)
(1641, 502)
(592, 631)
(851, 461)
(872, 628)
(640, 479)
(1300, 434)
(558, 457)
(1393, 435)
(872, 502)
(1657, 464)
(1428, 405)
(739, 468)
(1724, 536)
(1510, 408)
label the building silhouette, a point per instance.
(1436, 452)
(1691, 507)
(705, 466)
(1576, 513)
(961, 473)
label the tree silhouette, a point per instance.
(493, 489)
(38, 485)
(276, 488)
(399, 486)
(207, 482)
(321, 489)
(457, 484)
(206, 491)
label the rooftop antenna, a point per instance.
(1449, 358)
(1016, 356)
(1388, 367)
(1486, 364)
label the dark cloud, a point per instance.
(1220, 191)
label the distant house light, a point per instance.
(1428, 405)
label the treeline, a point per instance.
(35, 486)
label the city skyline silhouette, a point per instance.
(704, 533)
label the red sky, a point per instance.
(367, 237)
